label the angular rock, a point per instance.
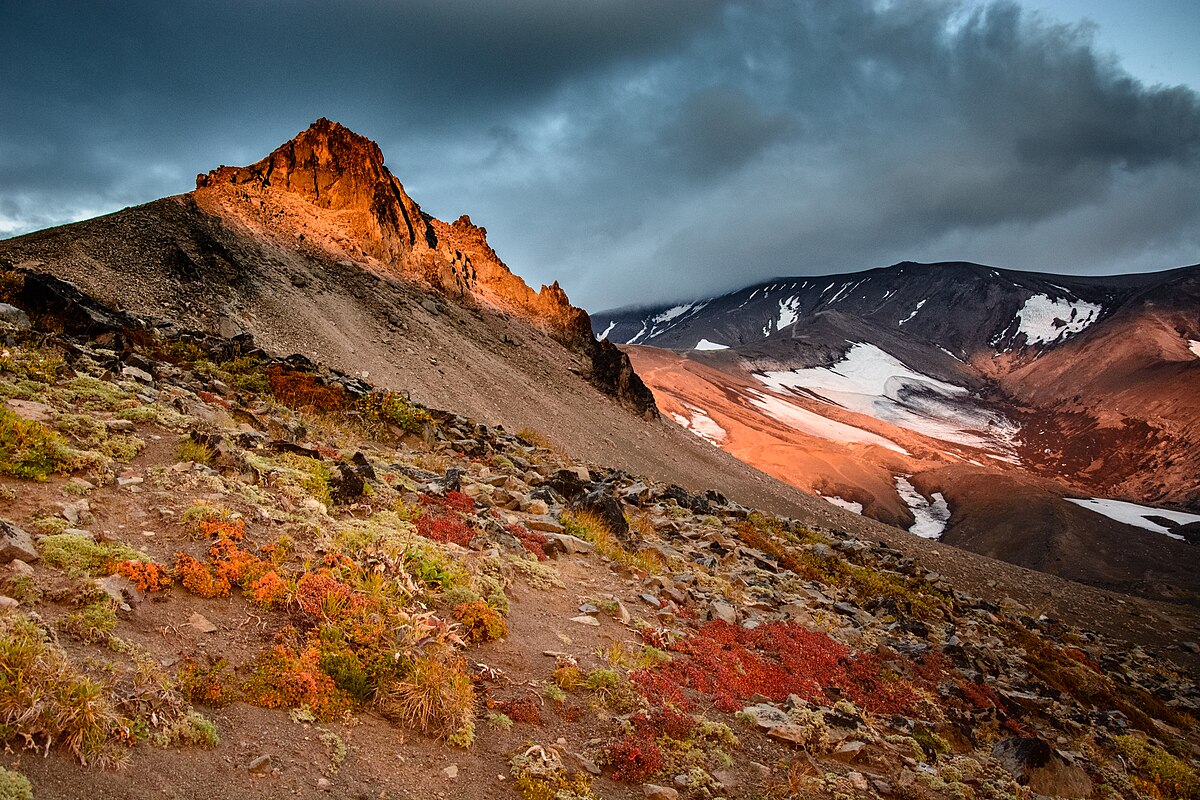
(767, 716)
(566, 543)
(15, 543)
(11, 315)
(122, 590)
(1034, 763)
(201, 623)
(723, 611)
(656, 792)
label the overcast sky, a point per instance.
(639, 151)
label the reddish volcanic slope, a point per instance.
(967, 410)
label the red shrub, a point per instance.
(527, 709)
(453, 501)
(302, 390)
(444, 528)
(533, 541)
(320, 594)
(633, 759)
(730, 664)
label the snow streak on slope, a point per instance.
(612, 324)
(1044, 321)
(705, 344)
(701, 424)
(914, 312)
(1133, 514)
(870, 381)
(931, 514)
(814, 424)
(840, 502)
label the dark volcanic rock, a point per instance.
(1034, 763)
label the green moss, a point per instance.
(501, 721)
(192, 728)
(94, 394)
(80, 555)
(14, 786)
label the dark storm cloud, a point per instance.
(632, 150)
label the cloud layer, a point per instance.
(634, 151)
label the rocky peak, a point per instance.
(328, 188)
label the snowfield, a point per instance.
(870, 381)
(1134, 514)
(805, 421)
(931, 514)
(1045, 321)
(705, 344)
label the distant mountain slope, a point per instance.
(928, 302)
(956, 399)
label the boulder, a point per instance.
(15, 544)
(1034, 763)
(11, 315)
(599, 500)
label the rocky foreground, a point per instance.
(231, 574)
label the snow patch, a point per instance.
(608, 330)
(788, 313)
(1136, 515)
(812, 423)
(870, 381)
(705, 344)
(931, 513)
(914, 312)
(638, 335)
(674, 312)
(849, 505)
(701, 424)
(1044, 321)
(1194, 346)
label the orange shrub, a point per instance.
(481, 621)
(270, 590)
(285, 678)
(234, 529)
(198, 579)
(145, 575)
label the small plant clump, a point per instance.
(1157, 773)
(393, 408)
(45, 701)
(732, 664)
(207, 686)
(533, 542)
(481, 622)
(82, 556)
(442, 518)
(29, 449)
